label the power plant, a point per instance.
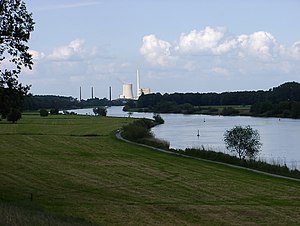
(127, 89)
(127, 92)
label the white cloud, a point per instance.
(259, 44)
(156, 51)
(36, 55)
(75, 50)
(213, 50)
(294, 51)
(203, 40)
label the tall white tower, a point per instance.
(138, 88)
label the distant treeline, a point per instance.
(37, 102)
(281, 101)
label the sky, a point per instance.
(178, 46)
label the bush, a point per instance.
(54, 111)
(138, 129)
(44, 113)
(14, 115)
(134, 132)
(158, 119)
(100, 111)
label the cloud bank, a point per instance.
(214, 47)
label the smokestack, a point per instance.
(110, 93)
(138, 89)
(92, 92)
(80, 93)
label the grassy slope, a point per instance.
(73, 173)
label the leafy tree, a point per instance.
(244, 141)
(14, 115)
(44, 112)
(100, 111)
(16, 24)
(158, 119)
(54, 111)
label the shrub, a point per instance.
(14, 115)
(44, 113)
(54, 111)
(158, 119)
(100, 111)
(134, 132)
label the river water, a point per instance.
(280, 137)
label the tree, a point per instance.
(14, 115)
(244, 141)
(16, 24)
(158, 119)
(100, 111)
(54, 111)
(44, 112)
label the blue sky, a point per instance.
(178, 46)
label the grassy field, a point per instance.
(79, 174)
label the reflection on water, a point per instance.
(280, 138)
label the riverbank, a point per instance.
(191, 156)
(139, 133)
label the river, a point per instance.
(280, 137)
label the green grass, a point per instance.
(79, 173)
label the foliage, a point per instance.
(100, 111)
(244, 141)
(60, 102)
(135, 131)
(286, 109)
(44, 112)
(281, 101)
(226, 111)
(14, 115)
(139, 131)
(158, 119)
(16, 24)
(54, 111)
(11, 99)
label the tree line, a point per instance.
(37, 102)
(282, 101)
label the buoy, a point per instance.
(198, 134)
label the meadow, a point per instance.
(71, 170)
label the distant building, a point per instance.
(140, 90)
(127, 89)
(145, 91)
